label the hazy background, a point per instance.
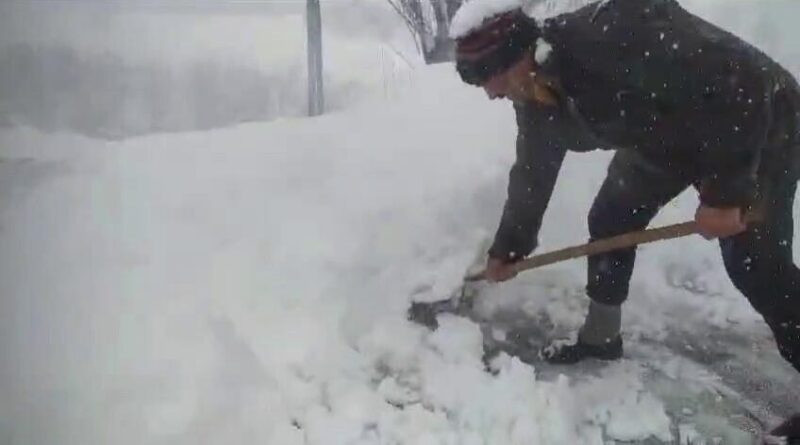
(122, 68)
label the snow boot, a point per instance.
(567, 354)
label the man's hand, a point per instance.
(498, 270)
(719, 223)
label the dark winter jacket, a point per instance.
(648, 76)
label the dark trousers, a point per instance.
(759, 261)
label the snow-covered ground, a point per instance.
(249, 285)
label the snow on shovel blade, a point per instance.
(425, 313)
(460, 303)
(460, 300)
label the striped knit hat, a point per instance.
(494, 46)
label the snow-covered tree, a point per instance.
(429, 21)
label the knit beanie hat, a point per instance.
(494, 46)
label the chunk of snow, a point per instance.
(473, 13)
(543, 50)
(689, 435)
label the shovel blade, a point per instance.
(460, 303)
(460, 300)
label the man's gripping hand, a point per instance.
(713, 222)
(498, 270)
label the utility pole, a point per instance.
(316, 100)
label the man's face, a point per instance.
(497, 86)
(514, 83)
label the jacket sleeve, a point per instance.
(540, 153)
(733, 157)
(732, 185)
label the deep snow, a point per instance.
(249, 284)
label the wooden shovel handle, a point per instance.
(601, 246)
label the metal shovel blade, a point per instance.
(460, 303)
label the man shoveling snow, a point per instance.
(683, 103)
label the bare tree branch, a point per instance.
(409, 24)
(428, 21)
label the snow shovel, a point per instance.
(460, 303)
